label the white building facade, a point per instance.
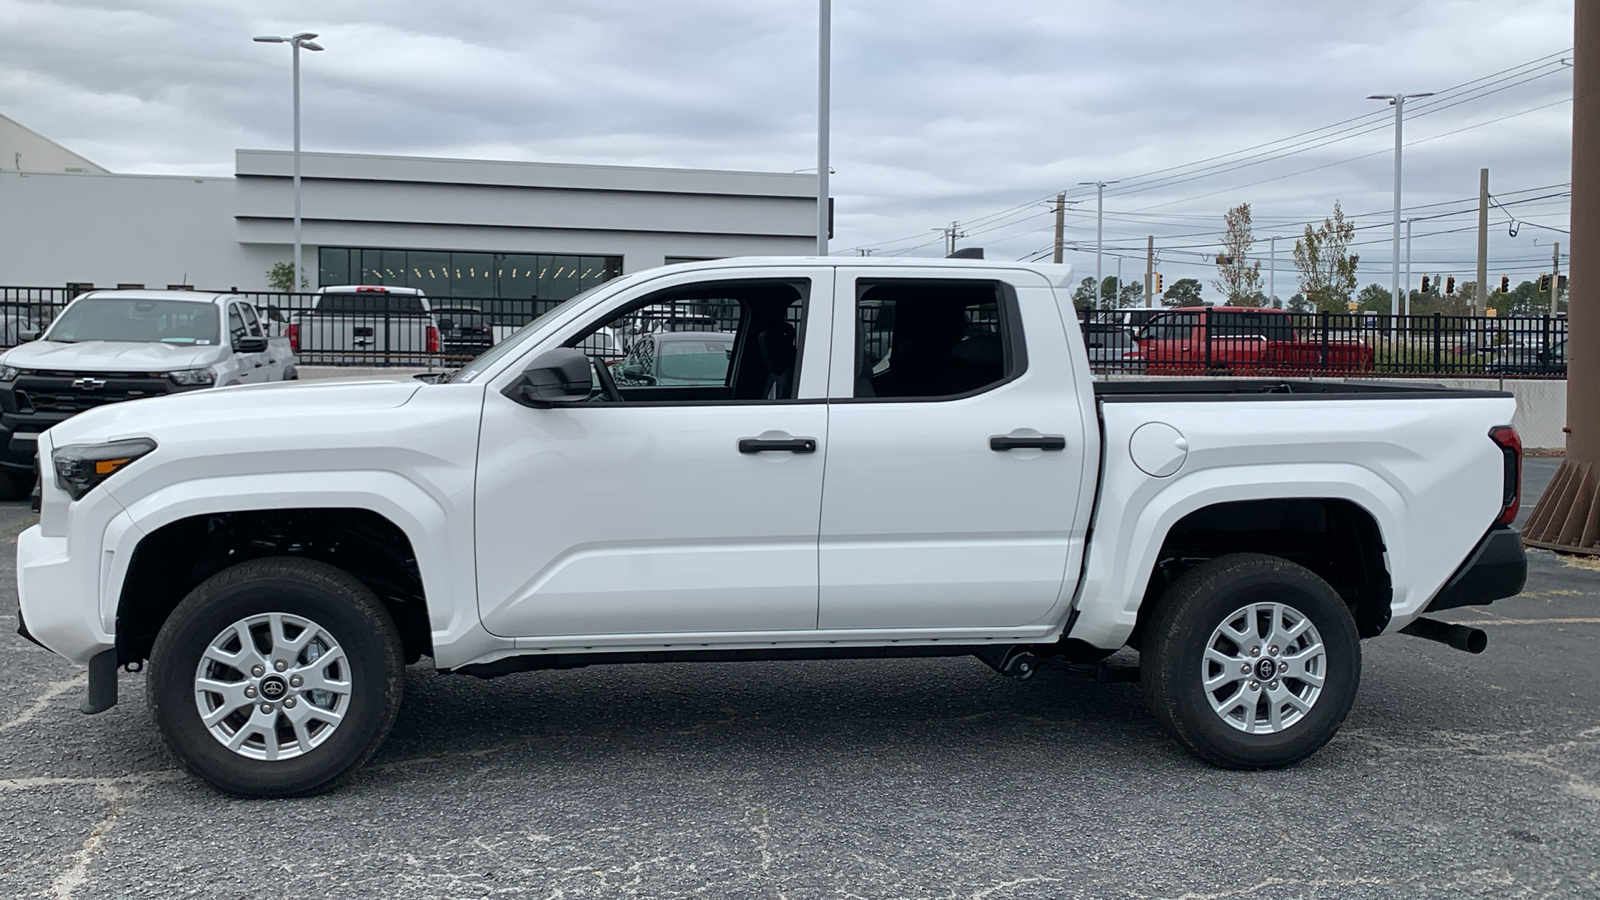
(464, 228)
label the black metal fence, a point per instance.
(1215, 341)
(1224, 341)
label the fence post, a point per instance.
(1322, 353)
(1437, 321)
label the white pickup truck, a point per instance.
(893, 459)
(112, 346)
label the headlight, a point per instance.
(8, 373)
(192, 377)
(82, 466)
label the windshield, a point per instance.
(703, 361)
(472, 370)
(137, 321)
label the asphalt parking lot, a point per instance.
(1456, 776)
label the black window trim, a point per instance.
(801, 283)
(1012, 342)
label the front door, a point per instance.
(682, 499)
(957, 454)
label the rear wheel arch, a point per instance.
(174, 559)
(1335, 538)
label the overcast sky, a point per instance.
(943, 111)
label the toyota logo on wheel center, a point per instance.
(273, 687)
(1266, 670)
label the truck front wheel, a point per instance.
(276, 677)
(1251, 661)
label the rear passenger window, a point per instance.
(934, 339)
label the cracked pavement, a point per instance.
(1455, 776)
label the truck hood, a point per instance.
(111, 356)
(219, 410)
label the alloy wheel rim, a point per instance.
(1263, 668)
(272, 686)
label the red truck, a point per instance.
(1207, 340)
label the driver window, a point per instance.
(716, 341)
(236, 328)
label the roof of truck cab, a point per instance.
(1058, 275)
(184, 296)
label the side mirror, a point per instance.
(276, 314)
(29, 334)
(250, 344)
(558, 376)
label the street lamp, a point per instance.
(824, 71)
(1099, 228)
(1398, 101)
(303, 39)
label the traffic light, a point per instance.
(1544, 282)
(1505, 284)
(1158, 282)
(1450, 286)
(1427, 284)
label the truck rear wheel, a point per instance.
(1251, 661)
(276, 677)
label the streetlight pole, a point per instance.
(1398, 101)
(1099, 230)
(296, 42)
(824, 67)
(1406, 307)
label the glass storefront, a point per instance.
(451, 273)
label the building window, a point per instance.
(449, 273)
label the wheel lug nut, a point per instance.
(296, 681)
(1244, 669)
(250, 692)
(257, 671)
(1273, 686)
(288, 703)
(266, 707)
(1254, 686)
(280, 665)
(1273, 651)
(1255, 651)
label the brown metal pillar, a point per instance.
(1568, 515)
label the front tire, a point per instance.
(276, 677)
(1251, 662)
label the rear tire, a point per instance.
(1251, 661)
(301, 706)
(16, 485)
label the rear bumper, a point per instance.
(1495, 569)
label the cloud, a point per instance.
(942, 110)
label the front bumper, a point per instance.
(57, 600)
(1495, 569)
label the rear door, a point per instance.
(957, 453)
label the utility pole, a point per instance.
(1565, 517)
(1555, 277)
(1149, 271)
(1398, 101)
(1272, 269)
(950, 235)
(1099, 228)
(1116, 297)
(1061, 226)
(1405, 308)
(1481, 298)
(824, 70)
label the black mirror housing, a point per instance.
(558, 376)
(250, 344)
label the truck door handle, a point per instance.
(1004, 442)
(793, 445)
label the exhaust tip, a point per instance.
(1461, 637)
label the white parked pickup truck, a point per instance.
(961, 487)
(111, 346)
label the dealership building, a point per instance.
(452, 227)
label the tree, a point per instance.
(1238, 279)
(1083, 295)
(1327, 267)
(1298, 303)
(1184, 292)
(281, 277)
(1375, 298)
(1131, 294)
